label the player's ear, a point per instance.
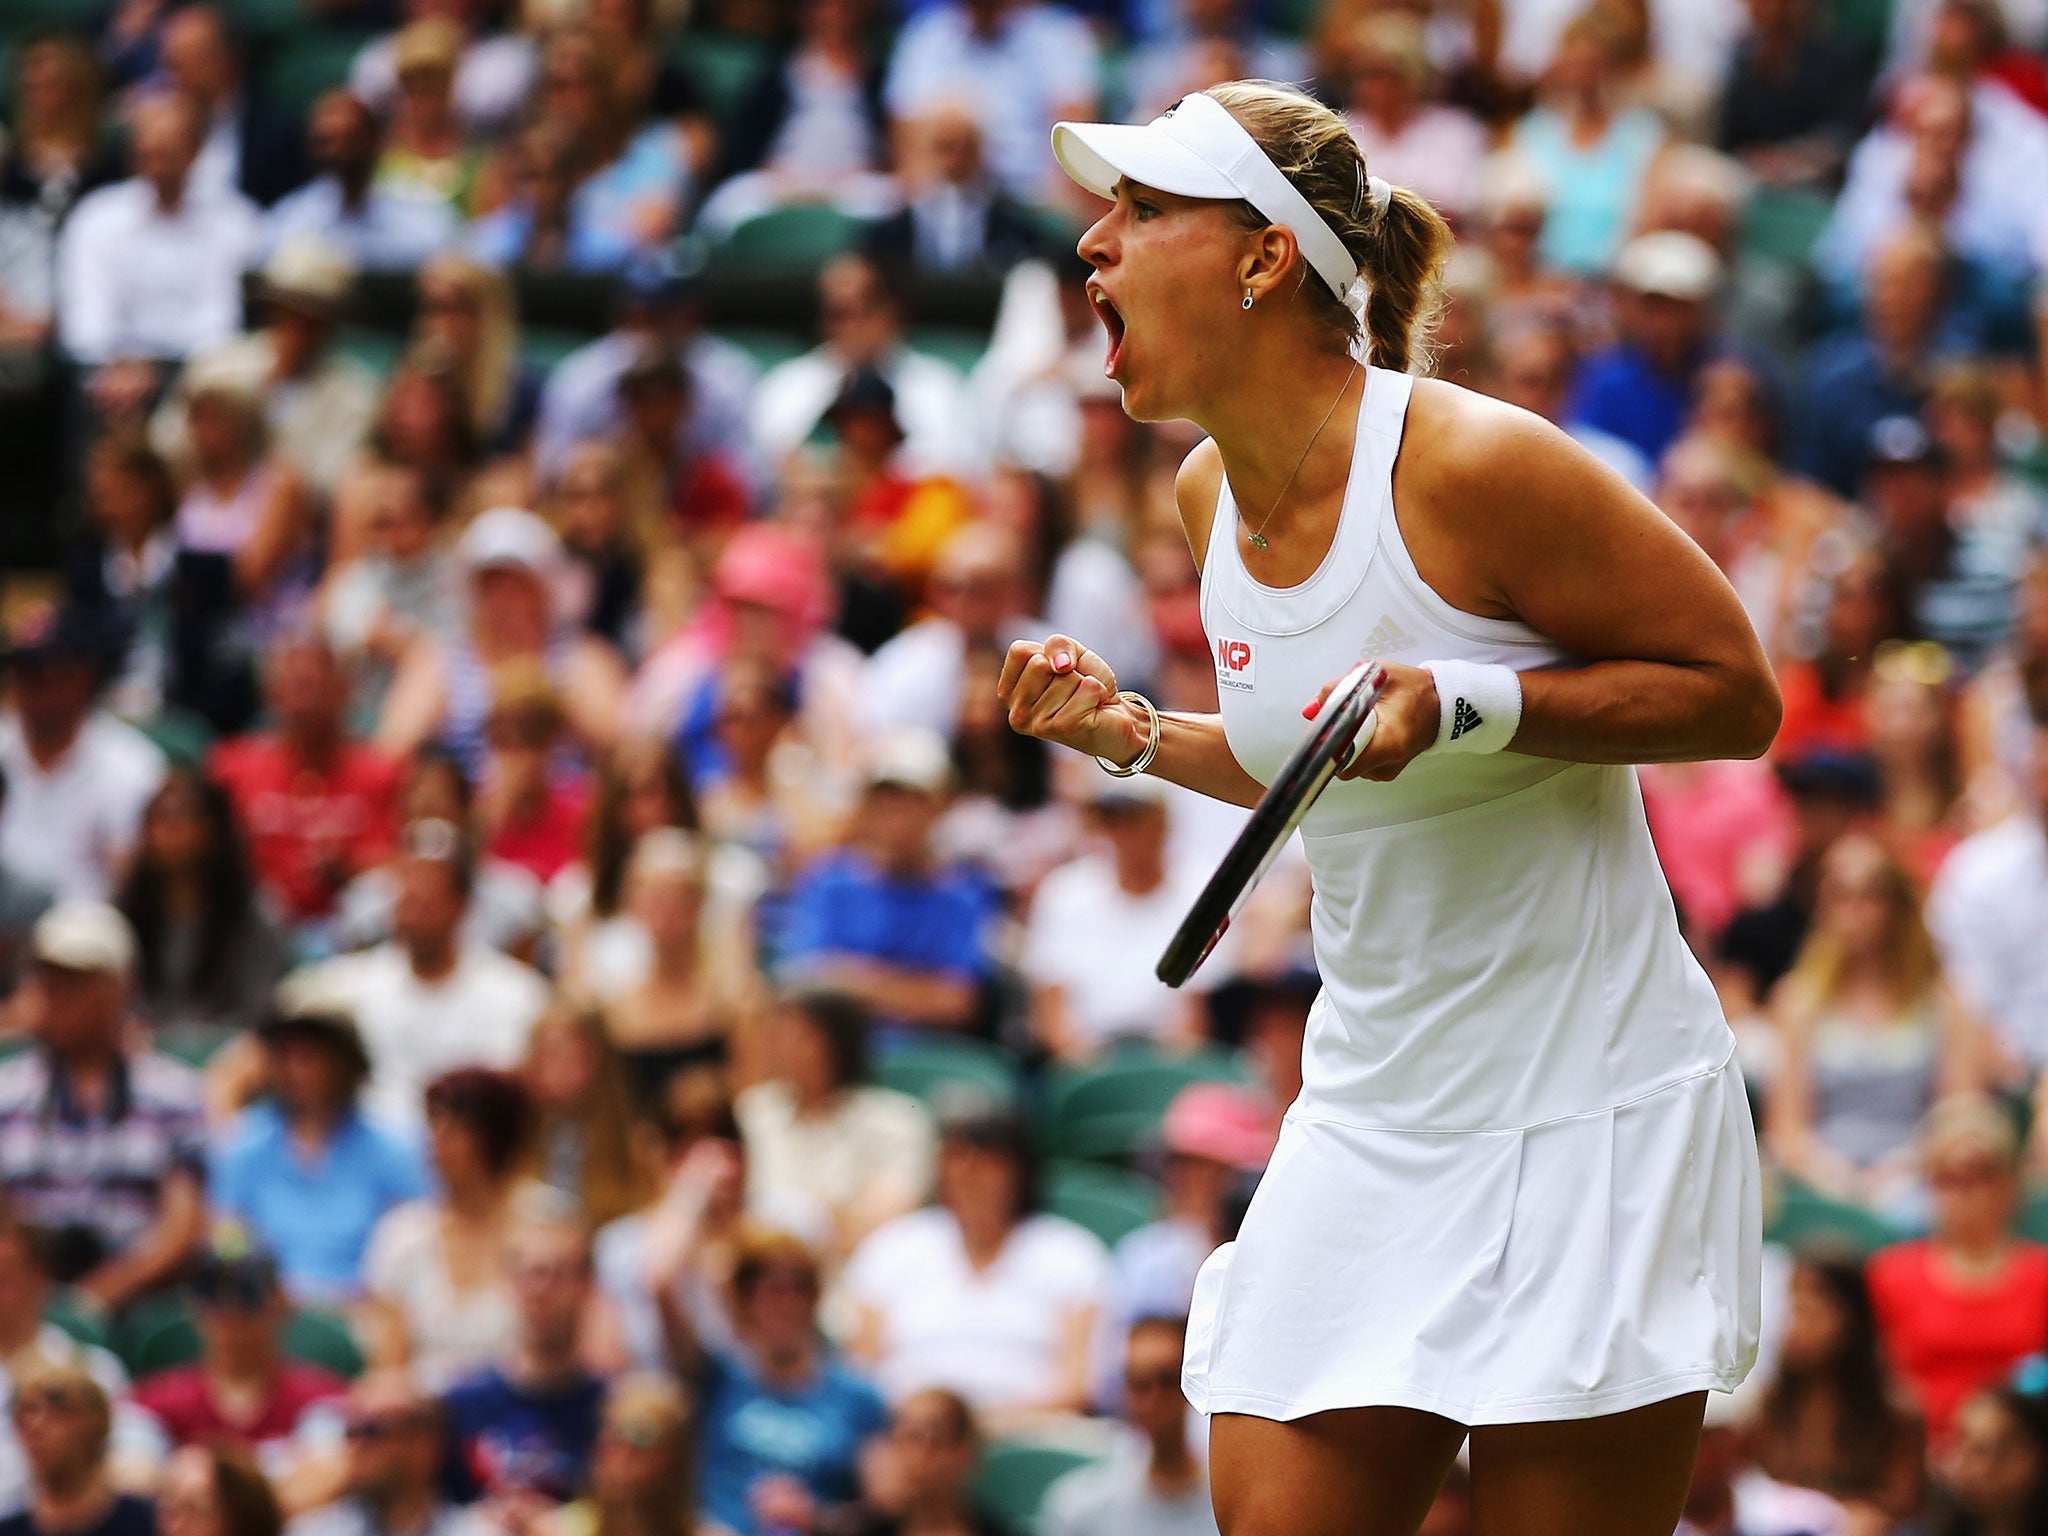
(1270, 254)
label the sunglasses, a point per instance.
(639, 1434)
(48, 1402)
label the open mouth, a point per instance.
(1113, 323)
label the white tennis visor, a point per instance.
(1197, 149)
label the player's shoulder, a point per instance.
(1453, 433)
(1196, 486)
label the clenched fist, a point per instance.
(1061, 691)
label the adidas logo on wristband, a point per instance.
(1465, 718)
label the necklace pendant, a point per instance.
(1258, 541)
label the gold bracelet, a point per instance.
(1144, 758)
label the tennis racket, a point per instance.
(1342, 730)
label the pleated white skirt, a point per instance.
(1580, 1267)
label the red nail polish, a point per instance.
(1062, 662)
(1311, 709)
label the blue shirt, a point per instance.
(502, 1438)
(1619, 393)
(314, 1213)
(844, 905)
(812, 1433)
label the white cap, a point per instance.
(1138, 789)
(310, 268)
(910, 759)
(1195, 148)
(1670, 263)
(84, 936)
(510, 536)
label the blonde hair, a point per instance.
(1401, 251)
(488, 377)
(1970, 1119)
(1912, 964)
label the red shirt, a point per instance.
(309, 831)
(1813, 721)
(179, 1400)
(1947, 1339)
(548, 841)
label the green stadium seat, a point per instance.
(1809, 1222)
(67, 1313)
(546, 345)
(260, 19)
(798, 239)
(1111, 1110)
(147, 1336)
(1863, 26)
(304, 64)
(378, 351)
(1782, 224)
(926, 1068)
(1015, 1477)
(953, 344)
(317, 1338)
(723, 67)
(195, 1045)
(1110, 1202)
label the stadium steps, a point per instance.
(1110, 1202)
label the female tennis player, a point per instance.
(1518, 1194)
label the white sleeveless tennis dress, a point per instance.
(1520, 1182)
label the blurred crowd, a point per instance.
(541, 994)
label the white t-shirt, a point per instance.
(996, 1336)
(454, 1333)
(915, 678)
(71, 828)
(1099, 944)
(1989, 911)
(478, 1015)
(872, 1138)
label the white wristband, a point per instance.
(1481, 705)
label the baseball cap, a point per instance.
(304, 1013)
(1901, 440)
(1669, 263)
(234, 1271)
(510, 536)
(909, 759)
(307, 272)
(776, 568)
(43, 634)
(1223, 1124)
(81, 935)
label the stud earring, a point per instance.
(1247, 298)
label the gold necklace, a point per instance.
(1257, 537)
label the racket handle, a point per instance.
(1366, 728)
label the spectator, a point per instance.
(1824, 693)
(65, 1422)
(658, 300)
(243, 1390)
(1641, 389)
(208, 951)
(343, 206)
(1984, 910)
(1159, 1492)
(22, 901)
(1409, 136)
(1713, 492)
(915, 679)
(522, 1430)
(216, 1490)
(1023, 64)
(1792, 100)
(430, 998)
(530, 807)
(641, 1478)
(885, 919)
(318, 808)
(785, 1420)
(812, 129)
(302, 1169)
(469, 324)
(127, 578)
(28, 1339)
(435, 1272)
(536, 227)
(77, 779)
(423, 424)
(150, 268)
(587, 1144)
(491, 79)
(1831, 1419)
(638, 788)
(860, 325)
(1912, 731)
(391, 1481)
(1182, 55)
(924, 1479)
(395, 585)
(981, 1292)
(696, 496)
(1534, 362)
(1216, 1140)
(248, 148)
(774, 799)
(1998, 1468)
(317, 403)
(1098, 924)
(1995, 722)
(955, 219)
(1591, 152)
(429, 154)
(513, 565)
(1958, 1308)
(688, 1003)
(61, 151)
(506, 909)
(819, 1130)
(1995, 517)
(100, 1142)
(612, 530)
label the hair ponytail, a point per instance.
(1406, 248)
(1401, 249)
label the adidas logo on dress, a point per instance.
(1465, 718)
(1387, 639)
